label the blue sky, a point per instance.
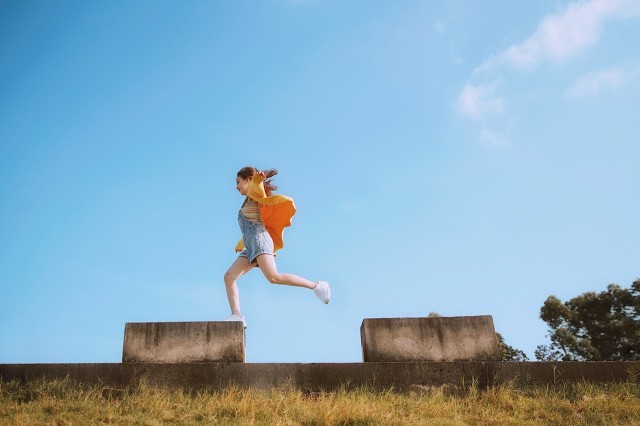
(456, 157)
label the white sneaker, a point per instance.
(322, 291)
(234, 317)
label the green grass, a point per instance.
(63, 402)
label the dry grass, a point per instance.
(63, 402)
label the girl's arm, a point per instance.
(256, 189)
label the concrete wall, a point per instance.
(398, 376)
(429, 339)
(177, 342)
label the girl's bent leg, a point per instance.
(268, 267)
(237, 268)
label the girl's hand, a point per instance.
(262, 174)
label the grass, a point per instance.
(63, 402)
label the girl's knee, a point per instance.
(229, 277)
(274, 278)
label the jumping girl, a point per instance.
(262, 219)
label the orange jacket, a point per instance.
(276, 211)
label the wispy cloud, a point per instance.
(564, 35)
(441, 26)
(494, 139)
(559, 38)
(594, 83)
(479, 101)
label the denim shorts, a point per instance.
(256, 239)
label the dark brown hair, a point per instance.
(248, 172)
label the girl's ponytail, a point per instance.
(268, 177)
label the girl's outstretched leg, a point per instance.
(268, 266)
(237, 268)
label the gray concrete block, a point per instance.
(429, 339)
(180, 342)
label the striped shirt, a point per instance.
(251, 210)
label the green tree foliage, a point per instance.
(601, 326)
(509, 353)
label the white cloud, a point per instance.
(494, 139)
(479, 101)
(594, 83)
(560, 37)
(564, 35)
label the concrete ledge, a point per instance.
(179, 342)
(471, 338)
(553, 373)
(399, 376)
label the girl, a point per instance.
(262, 219)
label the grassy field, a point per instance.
(62, 402)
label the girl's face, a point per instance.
(242, 185)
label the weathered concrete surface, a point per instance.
(438, 339)
(551, 373)
(398, 376)
(179, 342)
(306, 377)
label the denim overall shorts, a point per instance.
(256, 239)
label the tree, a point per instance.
(509, 353)
(593, 326)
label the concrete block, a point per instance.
(180, 342)
(429, 339)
